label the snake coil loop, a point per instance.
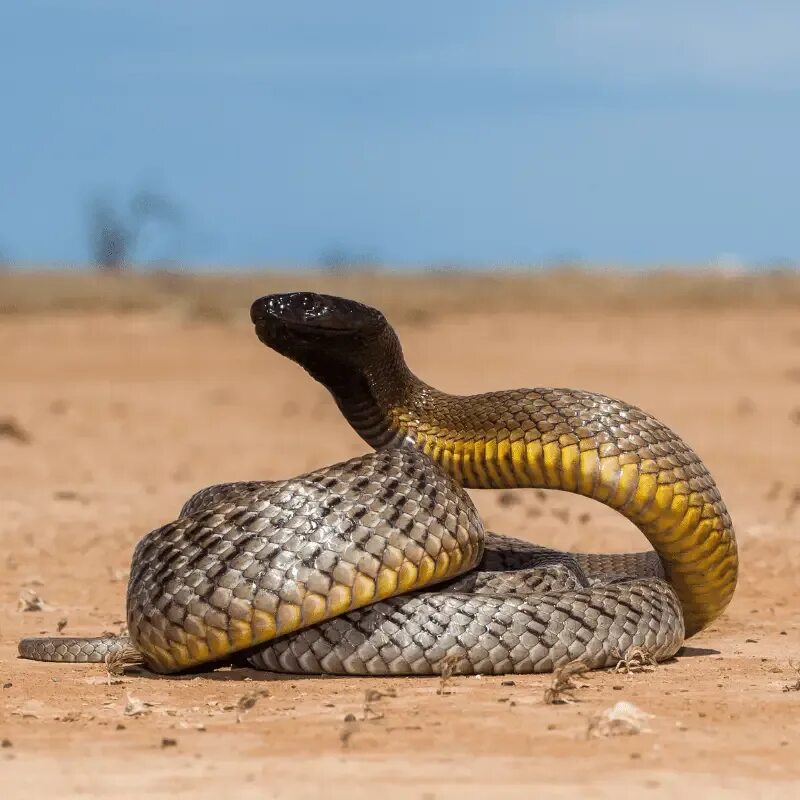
(333, 571)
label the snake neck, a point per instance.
(372, 388)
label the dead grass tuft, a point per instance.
(562, 687)
(636, 659)
(449, 665)
(125, 657)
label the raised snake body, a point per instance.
(332, 571)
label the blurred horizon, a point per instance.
(723, 267)
(250, 134)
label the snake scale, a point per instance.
(380, 565)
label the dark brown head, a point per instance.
(335, 339)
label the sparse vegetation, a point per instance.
(406, 297)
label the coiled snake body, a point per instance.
(333, 571)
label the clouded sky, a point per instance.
(414, 132)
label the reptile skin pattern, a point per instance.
(380, 565)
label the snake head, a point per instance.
(348, 347)
(306, 326)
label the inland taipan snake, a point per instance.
(334, 571)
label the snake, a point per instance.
(381, 565)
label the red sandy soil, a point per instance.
(107, 423)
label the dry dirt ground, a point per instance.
(107, 423)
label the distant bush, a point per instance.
(114, 234)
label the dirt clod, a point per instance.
(508, 499)
(12, 430)
(349, 727)
(622, 719)
(29, 600)
(134, 707)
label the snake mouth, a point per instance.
(304, 316)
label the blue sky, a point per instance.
(414, 132)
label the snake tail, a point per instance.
(75, 650)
